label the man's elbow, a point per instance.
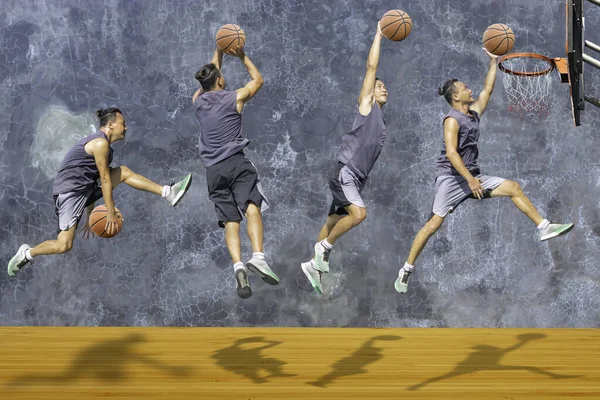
(451, 153)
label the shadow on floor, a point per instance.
(106, 362)
(355, 363)
(244, 357)
(487, 358)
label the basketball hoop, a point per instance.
(527, 83)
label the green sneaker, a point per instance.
(554, 230)
(401, 283)
(260, 266)
(18, 261)
(313, 276)
(178, 190)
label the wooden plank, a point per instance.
(298, 363)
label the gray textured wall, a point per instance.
(60, 60)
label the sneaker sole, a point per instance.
(403, 290)
(182, 192)
(560, 233)
(270, 279)
(243, 291)
(312, 281)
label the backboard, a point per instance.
(574, 47)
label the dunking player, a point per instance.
(76, 187)
(458, 176)
(357, 155)
(233, 182)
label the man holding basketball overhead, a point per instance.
(458, 176)
(76, 187)
(356, 156)
(232, 179)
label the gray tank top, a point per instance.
(78, 171)
(363, 144)
(220, 126)
(468, 138)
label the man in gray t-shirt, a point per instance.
(232, 179)
(458, 176)
(359, 151)
(76, 188)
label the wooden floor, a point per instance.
(299, 363)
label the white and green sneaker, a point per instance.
(18, 261)
(314, 276)
(261, 267)
(555, 230)
(178, 190)
(401, 284)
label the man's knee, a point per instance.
(358, 214)
(125, 172)
(252, 211)
(64, 246)
(514, 188)
(432, 226)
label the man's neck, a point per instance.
(462, 107)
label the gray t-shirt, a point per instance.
(220, 126)
(468, 138)
(363, 144)
(78, 171)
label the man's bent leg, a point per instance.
(513, 190)
(546, 229)
(430, 228)
(62, 244)
(172, 193)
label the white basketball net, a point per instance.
(528, 95)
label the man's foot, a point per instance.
(313, 276)
(18, 261)
(554, 230)
(178, 190)
(257, 265)
(401, 283)
(322, 257)
(243, 286)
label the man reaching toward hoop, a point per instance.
(458, 176)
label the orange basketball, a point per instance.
(498, 39)
(97, 221)
(396, 25)
(230, 37)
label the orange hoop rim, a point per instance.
(526, 55)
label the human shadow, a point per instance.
(487, 358)
(105, 362)
(355, 363)
(244, 357)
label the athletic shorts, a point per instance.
(451, 190)
(233, 184)
(69, 207)
(346, 187)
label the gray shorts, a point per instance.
(451, 190)
(346, 187)
(69, 207)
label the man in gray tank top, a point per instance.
(233, 183)
(76, 188)
(359, 151)
(458, 176)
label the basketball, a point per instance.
(97, 221)
(230, 37)
(396, 25)
(498, 39)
